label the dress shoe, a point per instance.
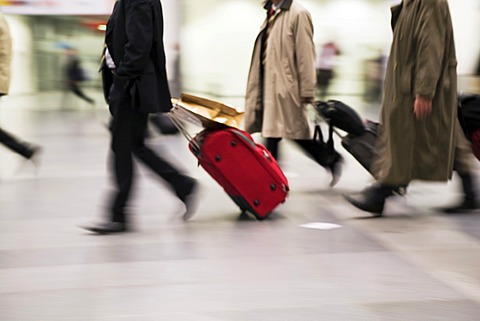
(372, 199)
(366, 204)
(335, 169)
(35, 157)
(469, 202)
(33, 152)
(107, 228)
(32, 156)
(190, 199)
(467, 205)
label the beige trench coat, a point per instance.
(5, 55)
(422, 61)
(289, 75)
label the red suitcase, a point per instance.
(246, 170)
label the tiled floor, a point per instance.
(414, 264)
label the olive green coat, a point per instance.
(422, 61)
(289, 75)
(5, 55)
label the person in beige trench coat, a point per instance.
(281, 82)
(26, 150)
(420, 137)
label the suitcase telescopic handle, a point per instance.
(245, 138)
(251, 143)
(185, 132)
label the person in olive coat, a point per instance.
(420, 137)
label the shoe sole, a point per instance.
(191, 204)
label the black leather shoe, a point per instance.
(372, 199)
(32, 156)
(190, 199)
(35, 158)
(34, 151)
(107, 228)
(467, 205)
(336, 169)
(367, 204)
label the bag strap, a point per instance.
(330, 144)
(317, 134)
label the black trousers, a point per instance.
(15, 144)
(128, 129)
(75, 88)
(316, 150)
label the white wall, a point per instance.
(466, 24)
(23, 73)
(172, 22)
(217, 40)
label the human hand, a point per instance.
(422, 107)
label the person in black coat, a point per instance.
(75, 75)
(135, 85)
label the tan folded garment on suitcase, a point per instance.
(205, 112)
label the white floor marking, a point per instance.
(321, 226)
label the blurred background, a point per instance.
(209, 42)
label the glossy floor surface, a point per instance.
(316, 259)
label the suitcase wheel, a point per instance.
(260, 218)
(245, 215)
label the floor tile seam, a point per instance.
(149, 284)
(462, 239)
(427, 267)
(98, 287)
(406, 253)
(72, 173)
(196, 260)
(391, 237)
(462, 284)
(355, 300)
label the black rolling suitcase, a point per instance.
(362, 147)
(361, 136)
(469, 113)
(469, 117)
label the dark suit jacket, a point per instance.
(134, 38)
(74, 71)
